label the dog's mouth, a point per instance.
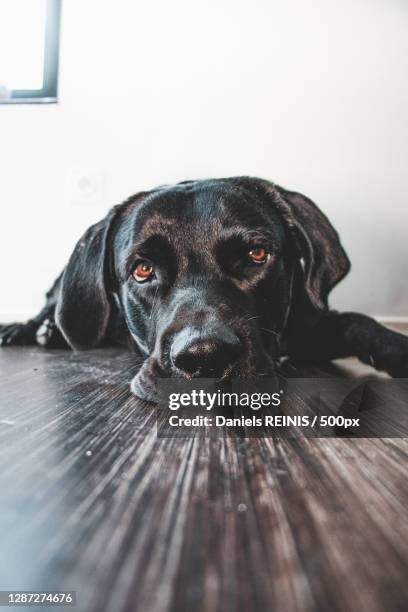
(215, 351)
(144, 384)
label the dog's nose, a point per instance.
(205, 355)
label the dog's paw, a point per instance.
(48, 335)
(18, 334)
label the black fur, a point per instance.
(208, 310)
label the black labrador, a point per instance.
(215, 278)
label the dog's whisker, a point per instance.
(271, 331)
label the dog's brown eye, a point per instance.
(258, 255)
(143, 272)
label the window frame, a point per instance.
(48, 94)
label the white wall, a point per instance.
(309, 94)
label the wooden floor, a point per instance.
(92, 500)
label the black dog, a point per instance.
(214, 278)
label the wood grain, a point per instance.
(92, 500)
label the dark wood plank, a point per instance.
(92, 500)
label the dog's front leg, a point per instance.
(349, 334)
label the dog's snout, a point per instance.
(208, 355)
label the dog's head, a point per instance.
(203, 274)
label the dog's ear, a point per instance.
(322, 257)
(83, 308)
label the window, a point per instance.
(29, 43)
